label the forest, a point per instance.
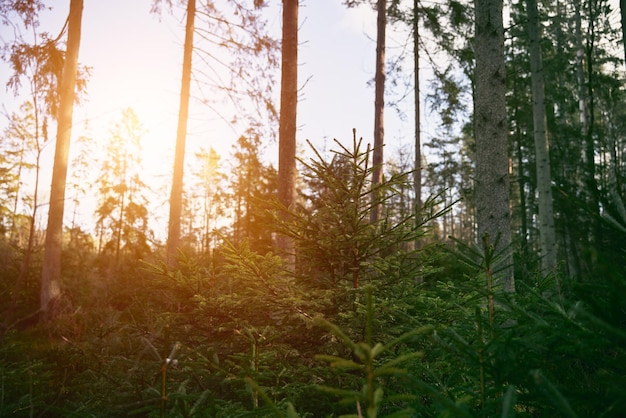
(480, 273)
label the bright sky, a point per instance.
(136, 62)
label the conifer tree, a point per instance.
(122, 216)
(253, 185)
(209, 186)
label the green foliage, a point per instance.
(252, 184)
(233, 334)
(368, 360)
(337, 244)
(541, 353)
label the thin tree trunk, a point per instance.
(542, 149)
(521, 178)
(580, 74)
(492, 162)
(176, 195)
(585, 100)
(51, 269)
(522, 191)
(13, 235)
(622, 6)
(417, 174)
(287, 124)
(589, 140)
(379, 108)
(570, 250)
(120, 222)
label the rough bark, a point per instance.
(622, 7)
(547, 234)
(51, 269)
(379, 107)
(492, 162)
(287, 122)
(176, 194)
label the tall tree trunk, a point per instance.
(542, 149)
(379, 108)
(522, 191)
(176, 195)
(120, 223)
(522, 178)
(565, 168)
(622, 7)
(580, 74)
(584, 75)
(492, 162)
(417, 174)
(287, 123)
(51, 269)
(592, 183)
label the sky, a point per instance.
(136, 58)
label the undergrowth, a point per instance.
(367, 326)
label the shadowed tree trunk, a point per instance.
(622, 7)
(287, 123)
(590, 146)
(492, 162)
(379, 107)
(51, 269)
(417, 174)
(580, 72)
(176, 195)
(542, 149)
